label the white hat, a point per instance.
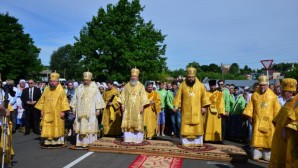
(22, 80)
(116, 83)
(246, 88)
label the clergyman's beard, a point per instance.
(53, 87)
(133, 82)
(190, 83)
(263, 91)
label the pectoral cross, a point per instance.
(263, 105)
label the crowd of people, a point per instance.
(261, 116)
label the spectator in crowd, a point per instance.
(175, 114)
(162, 114)
(277, 90)
(20, 110)
(237, 108)
(69, 119)
(226, 96)
(271, 86)
(13, 103)
(256, 86)
(29, 98)
(101, 89)
(247, 126)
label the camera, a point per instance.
(9, 89)
(69, 97)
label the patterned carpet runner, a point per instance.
(149, 161)
(171, 149)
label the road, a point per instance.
(29, 154)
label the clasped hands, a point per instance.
(97, 112)
(31, 102)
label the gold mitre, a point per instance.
(134, 72)
(87, 75)
(263, 80)
(54, 76)
(191, 71)
(289, 84)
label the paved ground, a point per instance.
(29, 154)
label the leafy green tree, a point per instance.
(283, 67)
(214, 68)
(118, 39)
(178, 72)
(234, 69)
(245, 70)
(210, 75)
(18, 54)
(66, 62)
(194, 64)
(205, 68)
(292, 73)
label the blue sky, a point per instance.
(205, 31)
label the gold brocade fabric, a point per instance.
(151, 113)
(51, 104)
(284, 150)
(191, 100)
(86, 101)
(8, 145)
(111, 126)
(133, 98)
(262, 108)
(212, 123)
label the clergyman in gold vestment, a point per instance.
(284, 150)
(212, 118)
(151, 111)
(86, 104)
(192, 99)
(111, 117)
(261, 109)
(53, 104)
(133, 98)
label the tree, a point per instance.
(18, 54)
(66, 62)
(234, 68)
(178, 72)
(214, 68)
(118, 39)
(194, 64)
(292, 73)
(205, 68)
(245, 70)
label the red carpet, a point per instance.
(148, 161)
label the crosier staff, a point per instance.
(5, 127)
